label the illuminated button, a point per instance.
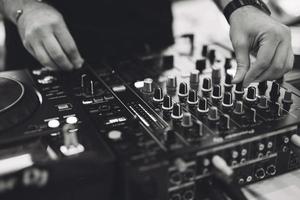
(234, 154)
(115, 135)
(286, 140)
(244, 152)
(72, 120)
(249, 179)
(119, 88)
(53, 123)
(261, 147)
(139, 84)
(270, 145)
(62, 107)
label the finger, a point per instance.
(42, 56)
(277, 68)
(243, 61)
(56, 53)
(69, 46)
(264, 58)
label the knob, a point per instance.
(201, 65)
(216, 75)
(212, 56)
(251, 96)
(183, 92)
(228, 83)
(227, 64)
(213, 114)
(204, 51)
(206, 87)
(263, 103)
(167, 103)
(216, 95)
(239, 108)
(262, 88)
(177, 112)
(275, 92)
(287, 100)
(252, 115)
(239, 91)
(171, 85)
(225, 122)
(202, 106)
(148, 85)
(227, 103)
(193, 98)
(158, 96)
(194, 80)
(187, 120)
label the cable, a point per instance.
(224, 179)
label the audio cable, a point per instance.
(224, 179)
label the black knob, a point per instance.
(167, 103)
(158, 95)
(263, 103)
(201, 65)
(227, 100)
(275, 92)
(193, 98)
(204, 51)
(227, 64)
(262, 88)
(183, 92)
(287, 100)
(217, 91)
(228, 83)
(251, 94)
(212, 56)
(177, 112)
(202, 106)
(239, 91)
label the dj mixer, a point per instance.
(176, 135)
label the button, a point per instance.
(234, 154)
(119, 88)
(47, 80)
(115, 135)
(53, 123)
(63, 107)
(72, 120)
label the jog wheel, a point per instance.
(17, 102)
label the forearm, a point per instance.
(9, 8)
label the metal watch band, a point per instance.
(19, 12)
(235, 4)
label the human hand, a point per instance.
(252, 31)
(46, 36)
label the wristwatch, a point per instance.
(236, 4)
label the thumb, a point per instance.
(243, 60)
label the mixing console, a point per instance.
(176, 136)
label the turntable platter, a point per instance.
(17, 102)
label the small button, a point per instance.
(72, 120)
(54, 123)
(115, 135)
